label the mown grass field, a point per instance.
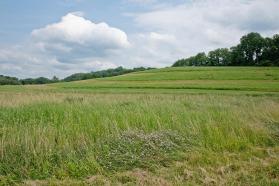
(173, 126)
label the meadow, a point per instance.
(171, 126)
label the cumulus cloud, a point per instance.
(75, 29)
(76, 35)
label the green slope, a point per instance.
(189, 79)
(225, 80)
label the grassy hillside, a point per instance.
(190, 79)
(173, 126)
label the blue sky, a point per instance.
(61, 37)
(19, 18)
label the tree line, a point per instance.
(6, 80)
(103, 73)
(253, 50)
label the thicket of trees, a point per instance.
(40, 80)
(253, 50)
(103, 73)
(6, 80)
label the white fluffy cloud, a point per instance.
(76, 30)
(74, 37)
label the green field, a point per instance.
(172, 126)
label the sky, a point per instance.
(62, 37)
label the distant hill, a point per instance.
(255, 80)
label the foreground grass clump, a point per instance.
(122, 137)
(134, 149)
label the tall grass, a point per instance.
(64, 135)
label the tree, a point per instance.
(251, 46)
(180, 63)
(275, 51)
(237, 56)
(200, 59)
(271, 51)
(219, 57)
(55, 79)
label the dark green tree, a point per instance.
(251, 48)
(7, 80)
(55, 79)
(200, 59)
(219, 57)
(271, 52)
